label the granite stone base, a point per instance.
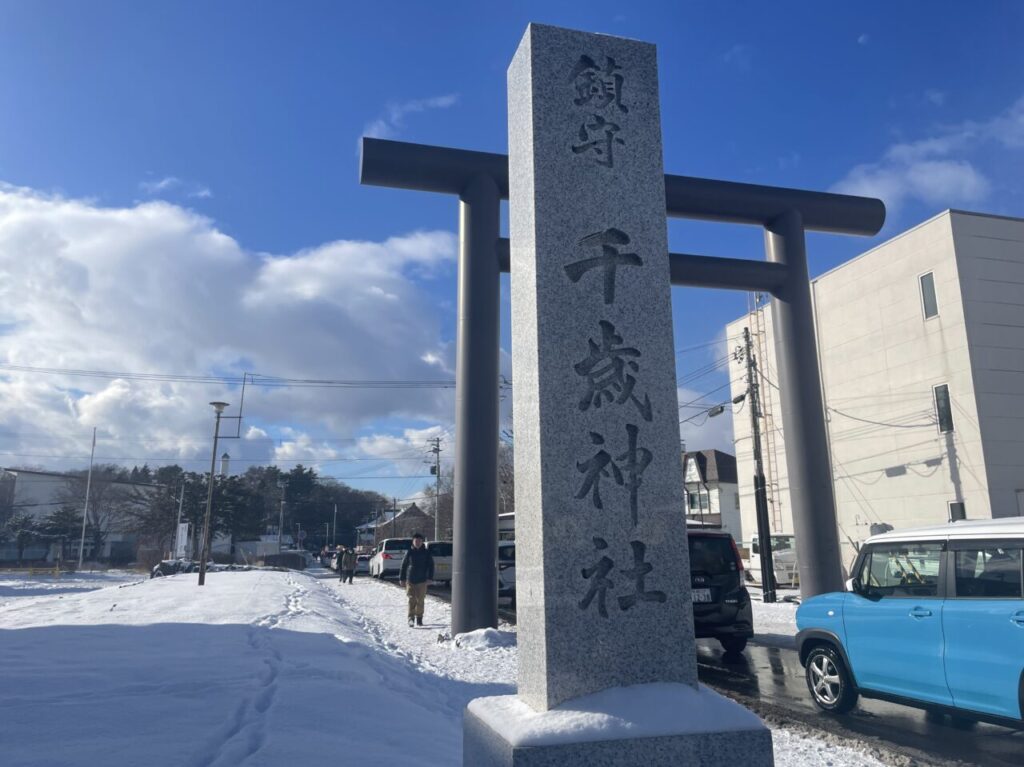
(483, 747)
(503, 732)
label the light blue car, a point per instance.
(932, 618)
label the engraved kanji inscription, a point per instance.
(607, 372)
(597, 574)
(601, 465)
(598, 86)
(597, 139)
(625, 470)
(640, 571)
(609, 241)
(632, 464)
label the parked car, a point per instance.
(507, 570)
(387, 557)
(442, 553)
(932, 618)
(173, 567)
(721, 603)
(363, 564)
(784, 562)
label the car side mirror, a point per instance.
(852, 586)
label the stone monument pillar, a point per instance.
(607, 663)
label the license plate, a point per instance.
(701, 595)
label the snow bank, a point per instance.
(485, 639)
(639, 711)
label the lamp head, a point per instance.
(219, 406)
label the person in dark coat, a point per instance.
(347, 566)
(417, 571)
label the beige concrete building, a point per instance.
(921, 342)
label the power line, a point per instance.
(255, 379)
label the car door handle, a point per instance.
(920, 612)
(1018, 618)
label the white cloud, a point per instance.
(935, 97)
(938, 169)
(863, 39)
(163, 185)
(303, 448)
(157, 288)
(168, 184)
(740, 56)
(390, 124)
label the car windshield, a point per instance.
(711, 554)
(440, 548)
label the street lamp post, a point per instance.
(219, 408)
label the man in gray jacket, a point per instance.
(347, 565)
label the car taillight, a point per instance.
(385, 556)
(736, 553)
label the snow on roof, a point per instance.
(972, 528)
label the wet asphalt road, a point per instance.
(770, 680)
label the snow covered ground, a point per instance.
(20, 584)
(255, 668)
(775, 623)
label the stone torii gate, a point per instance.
(480, 180)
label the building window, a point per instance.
(928, 300)
(943, 410)
(957, 511)
(698, 501)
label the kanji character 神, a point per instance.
(625, 469)
(635, 461)
(610, 259)
(606, 373)
(595, 468)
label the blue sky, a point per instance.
(240, 121)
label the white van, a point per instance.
(441, 551)
(387, 557)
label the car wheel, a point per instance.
(733, 645)
(829, 682)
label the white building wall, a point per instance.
(880, 359)
(990, 259)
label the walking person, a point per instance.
(417, 571)
(348, 565)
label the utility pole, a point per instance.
(177, 527)
(334, 538)
(436, 450)
(281, 483)
(764, 534)
(205, 551)
(85, 512)
(394, 517)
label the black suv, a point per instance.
(721, 604)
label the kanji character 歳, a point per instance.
(606, 373)
(597, 136)
(594, 469)
(599, 582)
(610, 259)
(639, 572)
(597, 86)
